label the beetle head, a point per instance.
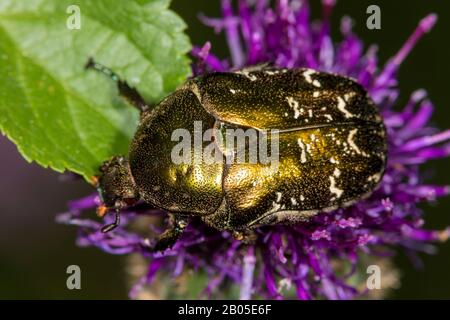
(116, 185)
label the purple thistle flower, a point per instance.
(321, 258)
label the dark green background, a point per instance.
(35, 251)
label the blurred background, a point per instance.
(35, 251)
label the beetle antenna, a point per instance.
(115, 224)
(128, 93)
(92, 64)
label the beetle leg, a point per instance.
(131, 95)
(245, 236)
(115, 224)
(169, 237)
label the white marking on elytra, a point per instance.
(333, 189)
(348, 96)
(310, 113)
(307, 74)
(308, 148)
(336, 172)
(316, 94)
(271, 73)
(279, 195)
(294, 201)
(341, 106)
(333, 160)
(329, 117)
(246, 73)
(352, 143)
(233, 91)
(302, 198)
(303, 154)
(375, 178)
(294, 105)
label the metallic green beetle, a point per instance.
(332, 150)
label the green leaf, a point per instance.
(58, 114)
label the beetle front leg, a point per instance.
(169, 237)
(128, 93)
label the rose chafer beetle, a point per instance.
(332, 150)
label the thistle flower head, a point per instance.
(321, 258)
